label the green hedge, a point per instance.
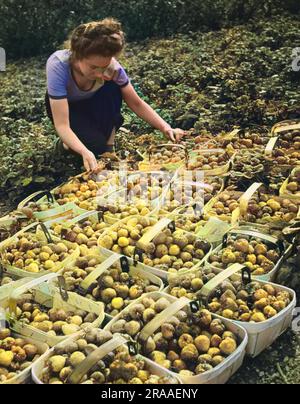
(32, 27)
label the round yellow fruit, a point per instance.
(49, 265)
(117, 303)
(33, 268)
(123, 233)
(174, 250)
(123, 242)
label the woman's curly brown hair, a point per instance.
(103, 38)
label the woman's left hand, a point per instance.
(175, 135)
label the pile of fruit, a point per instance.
(188, 285)
(16, 355)
(293, 185)
(54, 322)
(192, 344)
(88, 186)
(120, 209)
(274, 178)
(115, 287)
(132, 320)
(187, 343)
(256, 254)
(289, 140)
(246, 166)
(191, 190)
(118, 367)
(83, 233)
(265, 207)
(208, 160)
(248, 303)
(167, 251)
(162, 156)
(281, 157)
(225, 205)
(250, 141)
(32, 255)
(122, 238)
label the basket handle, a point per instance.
(94, 275)
(281, 127)
(154, 231)
(245, 198)
(270, 146)
(46, 233)
(208, 289)
(162, 317)
(24, 288)
(250, 233)
(85, 215)
(34, 196)
(92, 359)
(198, 210)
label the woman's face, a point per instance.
(93, 67)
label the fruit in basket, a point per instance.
(16, 355)
(225, 205)
(186, 285)
(253, 303)
(209, 161)
(122, 209)
(293, 185)
(168, 251)
(257, 255)
(118, 367)
(25, 253)
(281, 157)
(139, 314)
(81, 190)
(195, 349)
(114, 287)
(86, 232)
(167, 155)
(138, 225)
(263, 207)
(57, 322)
(250, 141)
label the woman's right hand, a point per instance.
(89, 160)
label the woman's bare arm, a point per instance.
(60, 112)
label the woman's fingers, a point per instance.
(89, 161)
(170, 135)
(175, 135)
(179, 133)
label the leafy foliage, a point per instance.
(31, 27)
(212, 81)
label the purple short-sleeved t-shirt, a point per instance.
(61, 84)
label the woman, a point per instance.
(86, 86)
